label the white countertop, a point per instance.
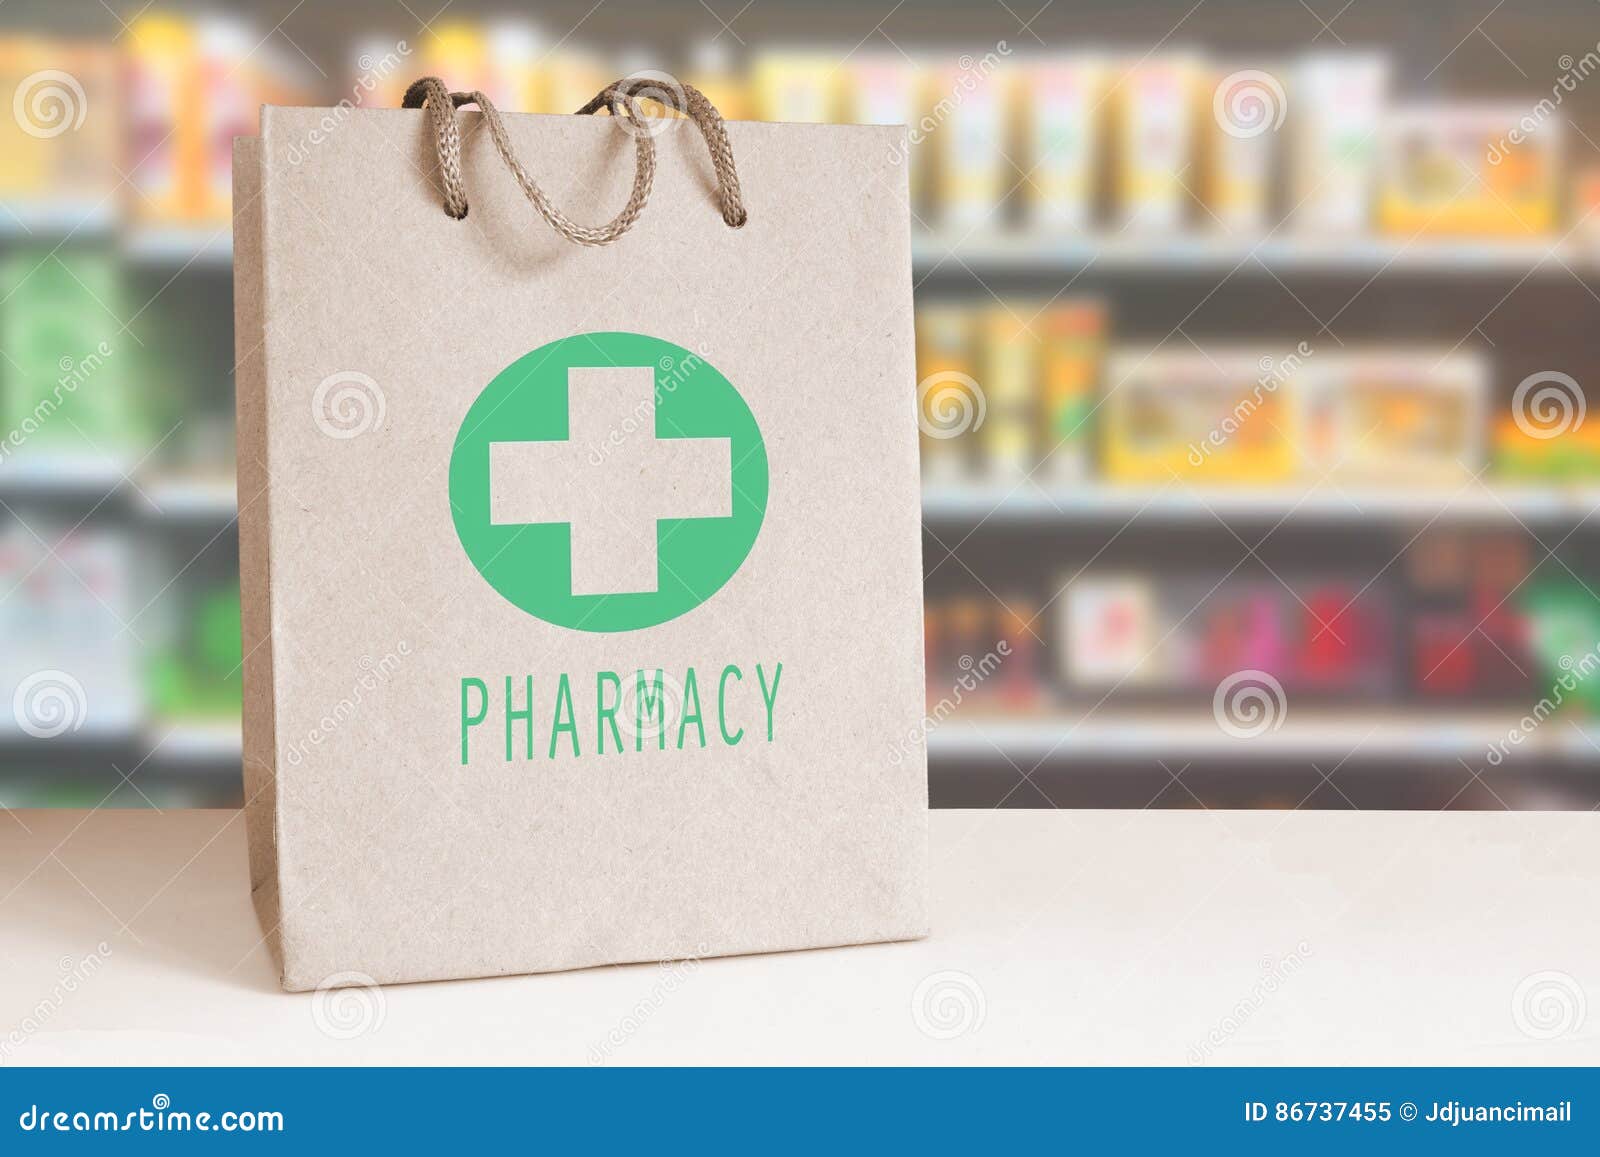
(1059, 938)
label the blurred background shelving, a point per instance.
(1253, 344)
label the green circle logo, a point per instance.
(608, 481)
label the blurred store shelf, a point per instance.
(52, 220)
(1335, 736)
(201, 742)
(62, 476)
(1028, 251)
(206, 498)
(1025, 501)
(182, 247)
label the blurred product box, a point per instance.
(58, 148)
(1525, 453)
(1072, 356)
(1240, 147)
(1220, 416)
(1238, 416)
(1337, 116)
(68, 665)
(1154, 142)
(949, 399)
(197, 675)
(970, 109)
(192, 85)
(1394, 416)
(1010, 377)
(1472, 170)
(64, 384)
(1062, 105)
(1010, 389)
(712, 70)
(1185, 633)
(796, 87)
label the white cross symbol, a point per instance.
(611, 480)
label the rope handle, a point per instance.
(619, 98)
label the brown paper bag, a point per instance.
(582, 585)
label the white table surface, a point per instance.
(1082, 937)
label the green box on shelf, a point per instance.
(68, 360)
(200, 678)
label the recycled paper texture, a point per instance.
(582, 586)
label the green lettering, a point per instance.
(769, 697)
(469, 721)
(607, 714)
(563, 699)
(646, 700)
(526, 715)
(690, 691)
(722, 705)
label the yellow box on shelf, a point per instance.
(1221, 416)
(1393, 415)
(1470, 170)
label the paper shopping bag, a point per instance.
(580, 562)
